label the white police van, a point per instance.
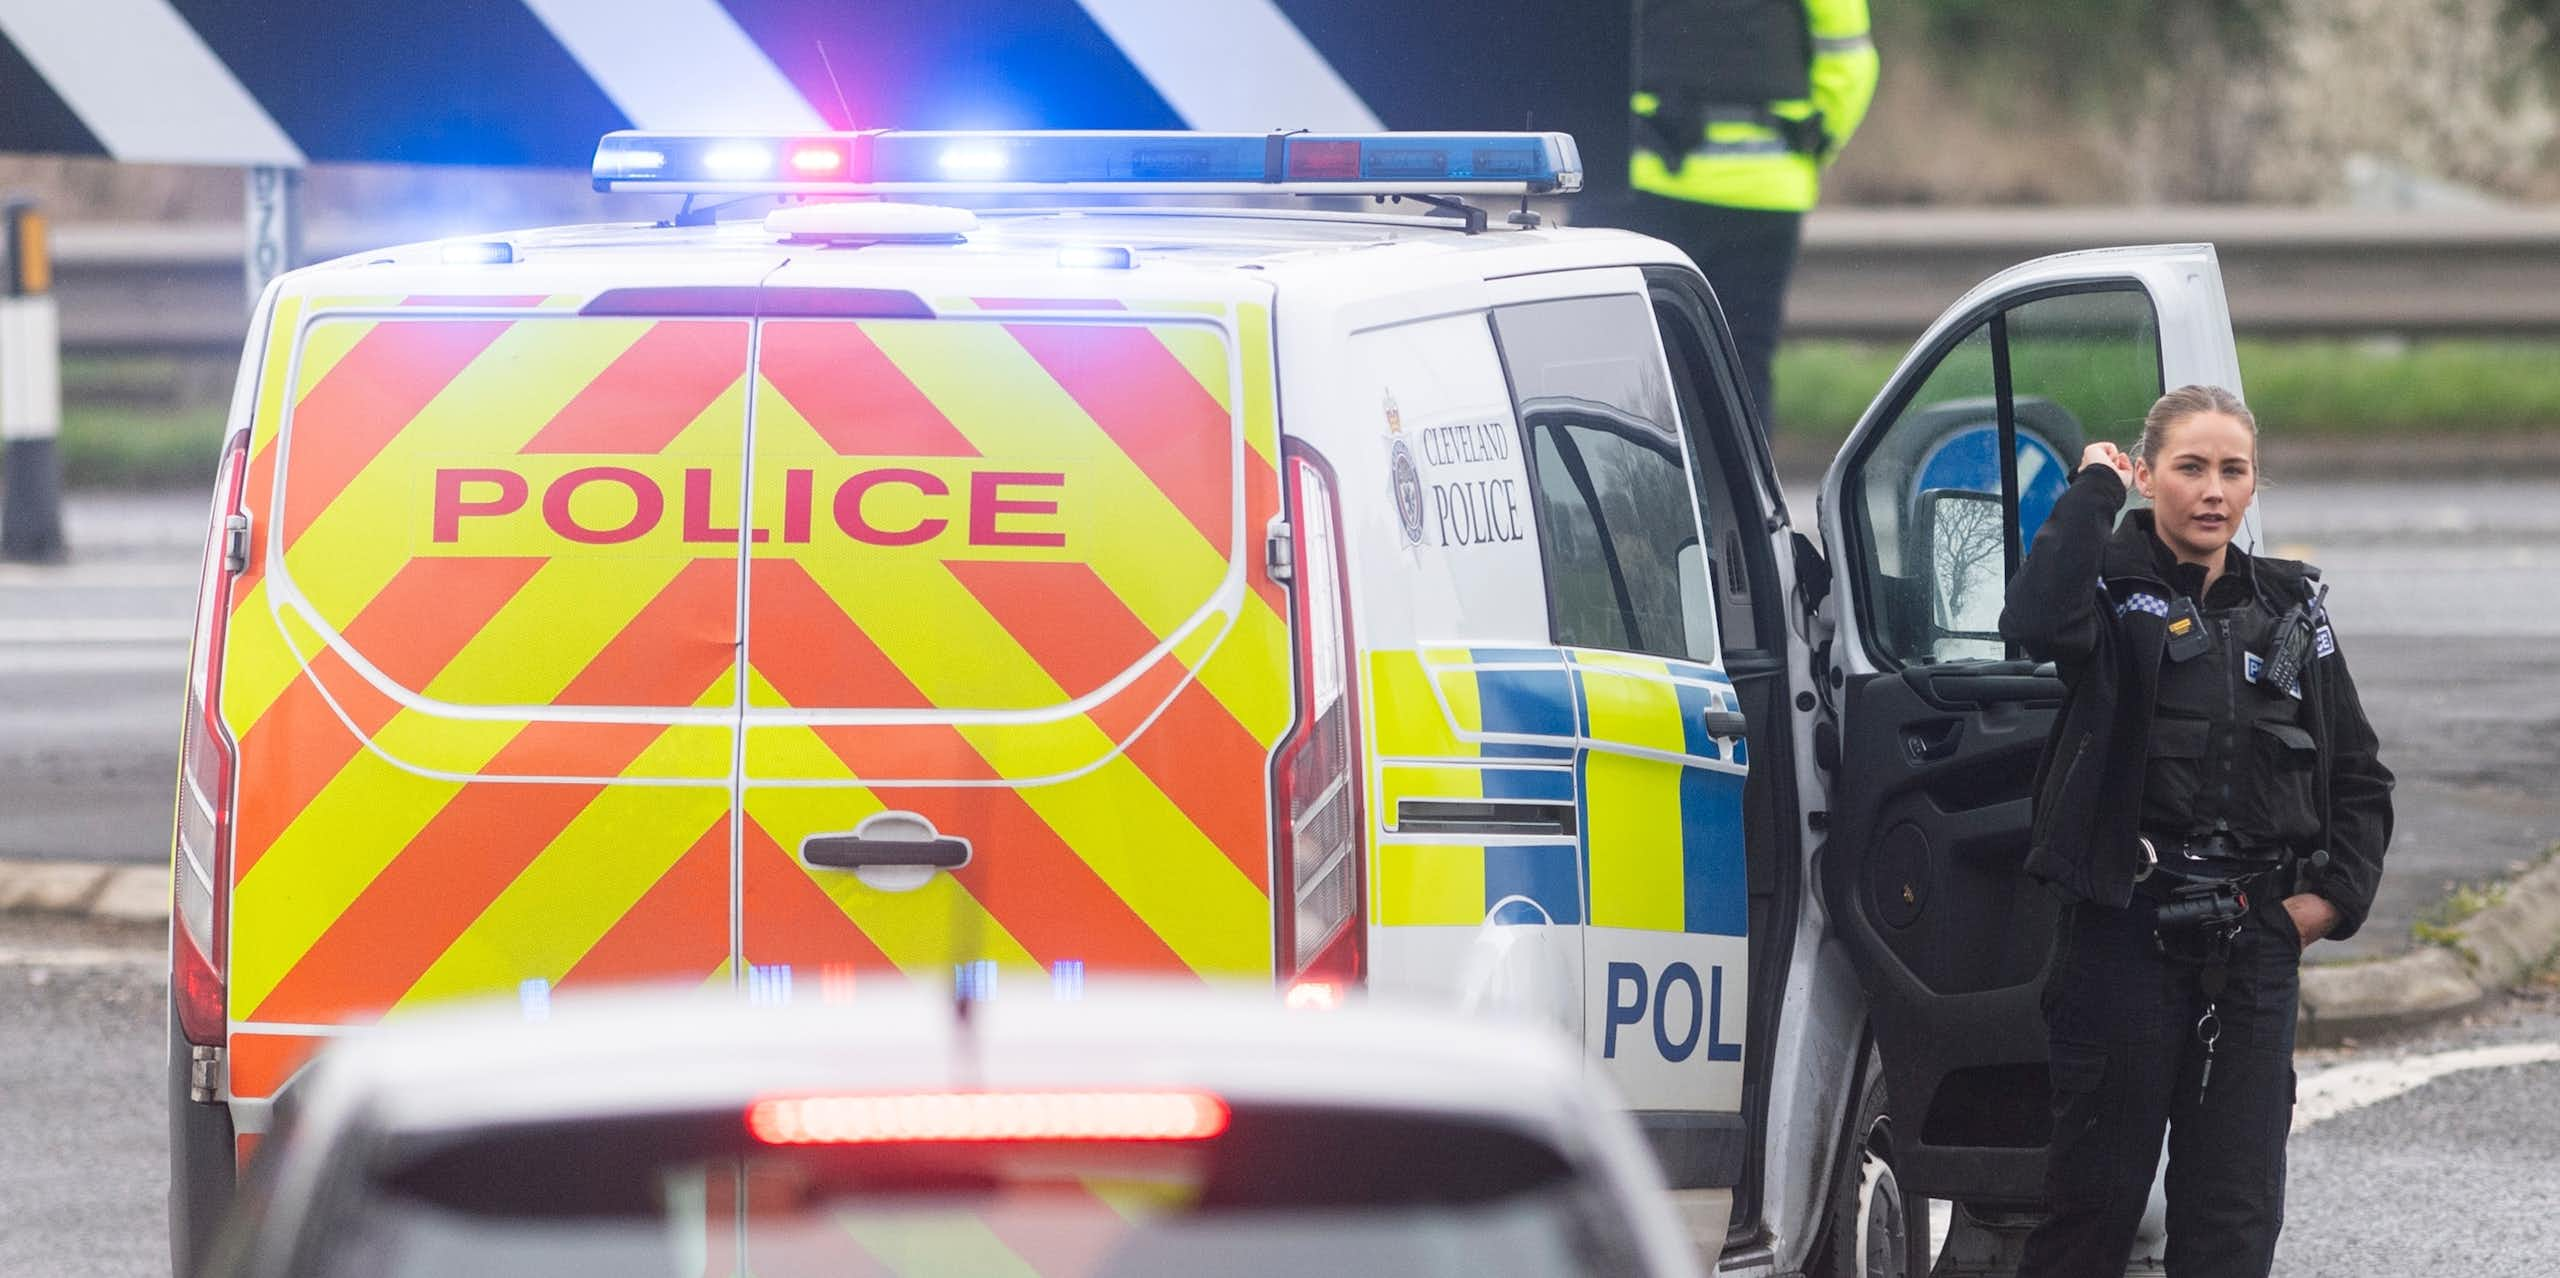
(1354, 601)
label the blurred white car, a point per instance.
(1120, 1134)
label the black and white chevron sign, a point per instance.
(535, 82)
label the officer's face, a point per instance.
(2201, 484)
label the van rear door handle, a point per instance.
(1727, 724)
(855, 852)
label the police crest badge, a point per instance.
(1404, 475)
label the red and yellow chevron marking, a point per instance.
(1134, 834)
(364, 880)
(488, 695)
(261, 1063)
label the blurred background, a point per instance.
(2383, 177)
(2373, 104)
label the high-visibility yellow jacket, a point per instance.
(1748, 164)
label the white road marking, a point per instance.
(88, 630)
(109, 575)
(170, 658)
(79, 956)
(2335, 1091)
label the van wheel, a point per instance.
(1874, 1229)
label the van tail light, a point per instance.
(1319, 897)
(208, 775)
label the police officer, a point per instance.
(1739, 104)
(2209, 805)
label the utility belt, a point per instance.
(1680, 131)
(2204, 887)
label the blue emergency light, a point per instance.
(895, 160)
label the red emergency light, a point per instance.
(817, 159)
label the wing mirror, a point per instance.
(1965, 538)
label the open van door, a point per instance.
(1927, 512)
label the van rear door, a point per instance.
(1014, 665)
(483, 663)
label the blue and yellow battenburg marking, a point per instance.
(1621, 737)
(1656, 779)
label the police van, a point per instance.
(1396, 601)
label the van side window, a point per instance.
(1612, 494)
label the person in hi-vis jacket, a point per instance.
(1739, 105)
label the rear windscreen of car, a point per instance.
(1282, 1192)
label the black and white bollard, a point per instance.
(30, 391)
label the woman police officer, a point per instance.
(2209, 805)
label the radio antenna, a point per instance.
(842, 106)
(1524, 218)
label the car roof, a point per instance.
(469, 1070)
(664, 1052)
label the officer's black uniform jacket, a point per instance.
(2088, 793)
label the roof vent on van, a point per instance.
(871, 223)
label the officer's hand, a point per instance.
(2103, 453)
(2313, 917)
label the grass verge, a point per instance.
(142, 422)
(2298, 387)
(128, 446)
(2442, 922)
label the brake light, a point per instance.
(208, 773)
(986, 1116)
(1318, 895)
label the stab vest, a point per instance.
(1724, 53)
(2225, 753)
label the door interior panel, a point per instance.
(1923, 870)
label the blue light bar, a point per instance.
(893, 160)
